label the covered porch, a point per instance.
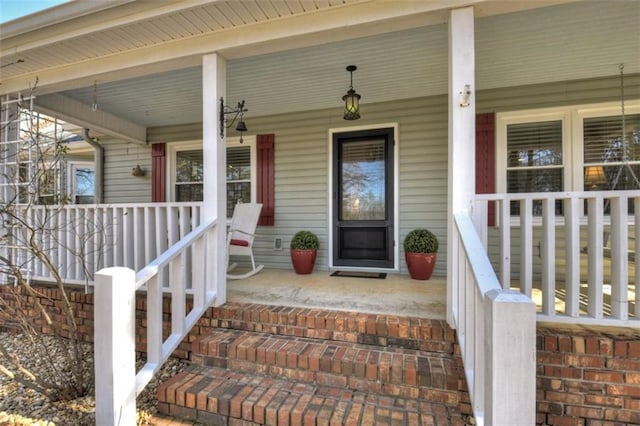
(396, 294)
(424, 70)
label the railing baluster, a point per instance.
(150, 229)
(177, 285)
(619, 258)
(595, 256)
(526, 246)
(548, 248)
(481, 220)
(572, 256)
(505, 243)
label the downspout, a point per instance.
(98, 159)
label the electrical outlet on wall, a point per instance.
(277, 243)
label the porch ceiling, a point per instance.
(144, 57)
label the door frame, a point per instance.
(330, 202)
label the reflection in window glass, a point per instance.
(609, 162)
(363, 180)
(535, 160)
(238, 176)
(84, 185)
(189, 175)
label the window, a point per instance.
(189, 175)
(82, 177)
(572, 148)
(609, 162)
(187, 168)
(535, 157)
(239, 176)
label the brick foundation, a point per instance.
(584, 377)
(587, 377)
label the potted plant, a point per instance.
(420, 248)
(304, 247)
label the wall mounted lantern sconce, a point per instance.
(351, 99)
(238, 114)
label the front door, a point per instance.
(363, 199)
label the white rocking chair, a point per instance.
(240, 237)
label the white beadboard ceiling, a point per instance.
(556, 43)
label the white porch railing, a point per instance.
(82, 239)
(573, 252)
(116, 382)
(496, 332)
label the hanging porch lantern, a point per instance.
(351, 99)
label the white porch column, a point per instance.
(462, 112)
(214, 80)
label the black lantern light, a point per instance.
(351, 99)
(238, 112)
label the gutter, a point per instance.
(98, 159)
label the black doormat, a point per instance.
(358, 274)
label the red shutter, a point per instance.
(266, 179)
(486, 159)
(158, 172)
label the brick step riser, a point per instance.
(402, 332)
(231, 398)
(439, 393)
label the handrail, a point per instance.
(152, 269)
(185, 262)
(496, 332)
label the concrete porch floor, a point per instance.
(397, 294)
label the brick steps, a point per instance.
(265, 364)
(369, 368)
(217, 396)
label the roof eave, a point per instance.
(55, 15)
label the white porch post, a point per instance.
(214, 80)
(114, 344)
(462, 112)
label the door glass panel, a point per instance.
(363, 180)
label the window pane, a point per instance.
(238, 163)
(237, 192)
(189, 167)
(238, 176)
(85, 180)
(189, 192)
(603, 141)
(535, 180)
(363, 180)
(534, 144)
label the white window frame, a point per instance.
(572, 117)
(71, 177)
(531, 116)
(591, 111)
(172, 155)
(174, 148)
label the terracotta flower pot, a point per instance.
(303, 260)
(420, 265)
